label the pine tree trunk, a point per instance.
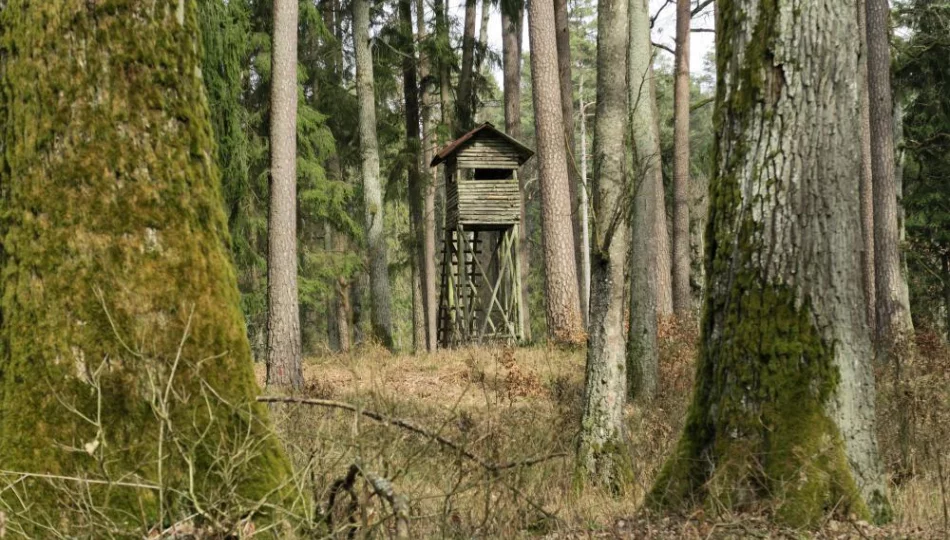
(283, 314)
(372, 191)
(563, 33)
(560, 276)
(642, 354)
(584, 211)
(445, 78)
(601, 455)
(866, 189)
(416, 185)
(483, 35)
(682, 299)
(894, 328)
(511, 67)
(465, 109)
(664, 256)
(121, 313)
(783, 407)
(428, 176)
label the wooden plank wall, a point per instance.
(488, 202)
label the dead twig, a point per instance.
(405, 424)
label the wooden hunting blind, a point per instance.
(480, 296)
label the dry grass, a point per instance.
(512, 404)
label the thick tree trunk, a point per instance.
(560, 276)
(563, 33)
(682, 297)
(428, 176)
(783, 409)
(866, 190)
(946, 294)
(283, 315)
(511, 67)
(642, 353)
(601, 455)
(894, 327)
(121, 315)
(372, 191)
(416, 184)
(465, 101)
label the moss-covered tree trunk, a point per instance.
(600, 452)
(783, 409)
(123, 351)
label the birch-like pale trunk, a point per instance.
(380, 293)
(642, 353)
(601, 455)
(783, 408)
(284, 368)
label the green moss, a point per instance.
(115, 246)
(758, 432)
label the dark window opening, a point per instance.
(494, 174)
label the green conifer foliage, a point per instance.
(123, 351)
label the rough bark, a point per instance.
(465, 101)
(560, 276)
(664, 256)
(283, 315)
(428, 178)
(416, 186)
(698, 213)
(119, 290)
(601, 455)
(642, 353)
(894, 328)
(483, 35)
(511, 67)
(372, 191)
(444, 67)
(946, 294)
(563, 35)
(682, 299)
(783, 407)
(866, 189)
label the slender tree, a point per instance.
(642, 356)
(894, 326)
(428, 175)
(563, 34)
(372, 191)
(121, 318)
(512, 24)
(600, 455)
(866, 190)
(465, 101)
(682, 297)
(661, 234)
(783, 407)
(560, 276)
(416, 183)
(283, 315)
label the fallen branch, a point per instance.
(405, 424)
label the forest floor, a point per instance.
(501, 406)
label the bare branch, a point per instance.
(699, 9)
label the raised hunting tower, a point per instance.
(480, 296)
